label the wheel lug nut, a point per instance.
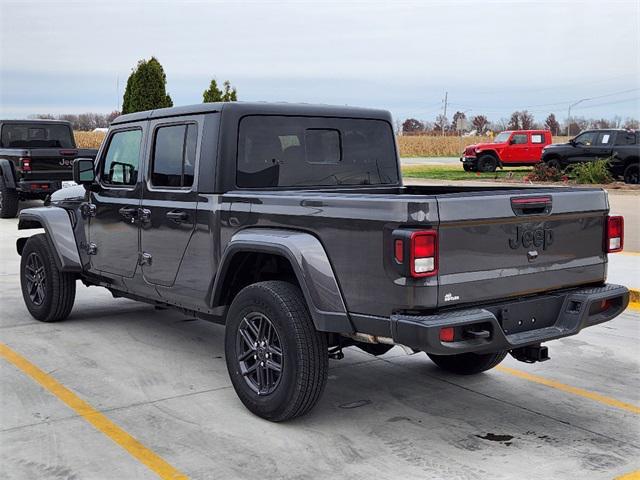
(255, 357)
(262, 364)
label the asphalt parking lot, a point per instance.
(160, 377)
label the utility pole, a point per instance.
(569, 114)
(446, 95)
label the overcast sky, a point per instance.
(492, 57)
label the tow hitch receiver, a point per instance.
(531, 354)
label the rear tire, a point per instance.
(468, 363)
(48, 292)
(632, 174)
(8, 200)
(266, 318)
(487, 163)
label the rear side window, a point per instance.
(120, 167)
(537, 138)
(36, 136)
(604, 138)
(174, 154)
(280, 151)
(626, 138)
(519, 139)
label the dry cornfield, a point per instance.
(410, 146)
(88, 139)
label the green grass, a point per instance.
(441, 172)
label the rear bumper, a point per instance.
(39, 186)
(506, 326)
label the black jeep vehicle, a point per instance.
(622, 147)
(290, 225)
(36, 157)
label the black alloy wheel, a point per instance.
(259, 353)
(35, 278)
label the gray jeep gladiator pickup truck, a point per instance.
(36, 157)
(290, 225)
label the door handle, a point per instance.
(178, 216)
(128, 213)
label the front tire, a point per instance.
(8, 200)
(632, 174)
(468, 363)
(487, 163)
(48, 292)
(554, 163)
(276, 358)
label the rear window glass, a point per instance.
(279, 151)
(537, 138)
(24, 135)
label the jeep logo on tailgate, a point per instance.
(538, 237)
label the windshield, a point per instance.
(279, 151)
(36, 135)
(502, 137)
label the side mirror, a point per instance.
(83, 171)
(572, 141)
(512, 141)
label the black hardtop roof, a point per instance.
(37, 120)
(628, 130)
(257, 108)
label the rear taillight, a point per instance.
(614, 241)
(447, 334)
(25, 164)
(424, 253)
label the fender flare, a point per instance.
(310, 264)
(57, 226)
(8, 173)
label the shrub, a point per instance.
(592, 172)
(544, 173)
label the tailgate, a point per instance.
(506, 244)
(52, 163)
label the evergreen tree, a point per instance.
(230, 94)
(146, 88)
(214, 94)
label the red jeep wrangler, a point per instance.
(516, 148)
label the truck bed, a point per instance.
(481, 256)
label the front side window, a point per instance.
(280, 151)
(519, 139)
(120, 167)
(586, 139)
(174, 152)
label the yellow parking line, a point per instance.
(91, 415)
(634, 306)
(630, 476)
(612, 402)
